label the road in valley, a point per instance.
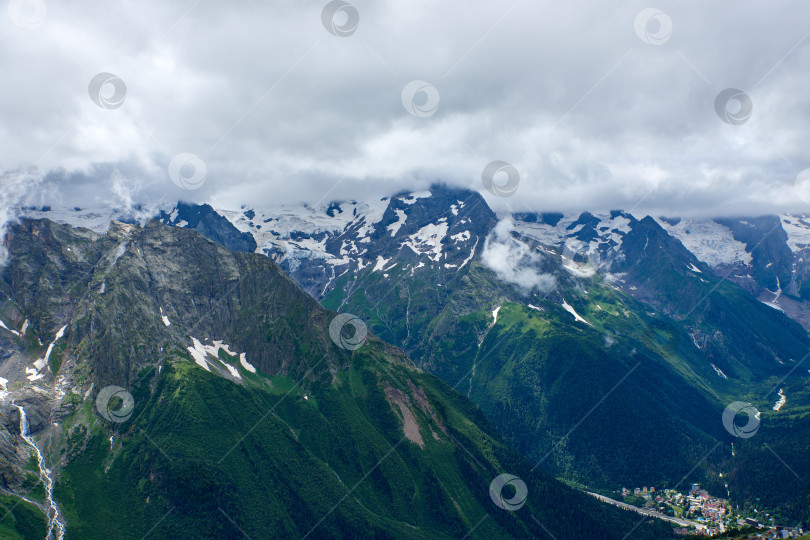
(647, 512)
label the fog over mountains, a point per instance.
(597, 107)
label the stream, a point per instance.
(54, 522)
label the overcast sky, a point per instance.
(596, 104)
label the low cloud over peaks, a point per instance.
(605, 113)
(15, 186)
(514, 261)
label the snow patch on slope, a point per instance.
(798, 231)
(166, 321)
(782, 400)
(774, 306)
(36, 373)
(381, 262)
(416, 195)
(273, 228)
(59, 334)
(573, 312)
(198, 353)
(207, 356)
(96, 219)
(472, 254)
(397, 225)
(3, 325)
(709, 241)
(719, 372)
(428, 240)
(610, 230)
(245, 364)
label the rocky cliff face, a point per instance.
(82, 311)
(206, 221)
(114, 293)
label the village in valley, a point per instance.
(702, 514)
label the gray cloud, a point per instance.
(280, 110)
(15, 186)
(514, 261)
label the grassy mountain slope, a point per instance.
(535, 373)
(319, 442)
(540, 376)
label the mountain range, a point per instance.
(173, 388)
(602, 347)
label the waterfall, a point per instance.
(45, 475)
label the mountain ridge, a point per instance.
(462, 303)
(705, 330)
(246, 415)
(733, 247)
